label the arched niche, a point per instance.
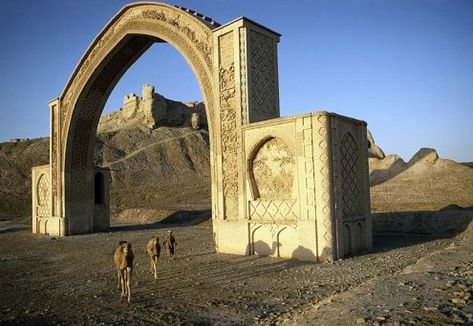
(271, 168)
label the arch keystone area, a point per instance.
(236, 68)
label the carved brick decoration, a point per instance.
(262, 60)
(43, 196)
(228, 114)
(323, 179)
(273, 210)
(304, 136)
(273, 170)
(351, 205)
(243, 77)
(54, 152)
(201, 38)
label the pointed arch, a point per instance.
(123, 40)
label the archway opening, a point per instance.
(168, 121)
(147, 136)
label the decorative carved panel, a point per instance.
(228, 122)
(243, 77)
(273, 170)
(273, 210)
(351, 204)
(305, 154)
(323, 177)
(262, 75)
(42, 197)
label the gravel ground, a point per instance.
(72, 280)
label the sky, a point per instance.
(403, 66)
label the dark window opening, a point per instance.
(99, 189)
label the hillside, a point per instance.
(16, 160)
(157, 171)
(158, 163)
(149, 168)
(426, 182)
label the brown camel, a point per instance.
(154, 249)
(123, 259)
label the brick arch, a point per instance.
(123, 40)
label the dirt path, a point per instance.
(141, 149)
(72, 281)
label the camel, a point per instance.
(170, 244)
(123, 259)
(154, 249)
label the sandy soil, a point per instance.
(72, 281)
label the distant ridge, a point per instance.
(426, 182)
(159, 165)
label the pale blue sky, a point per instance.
(404, 66)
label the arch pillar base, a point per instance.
(94, 216)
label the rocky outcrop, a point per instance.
(382, 170)
(374, 150)
(426, 182)
(150, 111)
(152, 168)
(426, 155)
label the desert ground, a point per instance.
(403, 280)
(419, 271)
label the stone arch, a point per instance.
(252, 239)
(264, 240)
(124, 39)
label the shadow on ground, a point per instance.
(392, 230)
(179, 218)
(14, 229)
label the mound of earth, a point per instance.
(155, 172)
(382, 170)
(426, 182)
